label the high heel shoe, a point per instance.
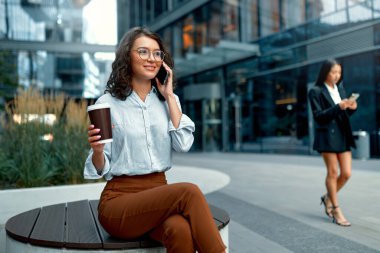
(327, 208)
(343, 223)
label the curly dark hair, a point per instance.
(119, 84)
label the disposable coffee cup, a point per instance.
(100, 117)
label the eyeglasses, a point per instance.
(144, 54)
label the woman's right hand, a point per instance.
(344, 104)
(93, 138)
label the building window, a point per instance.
(376, 8)
(200, 29)
(249, 21)
(314, 9)
(269, 17)
(160, 7)
(167, 36)
(188, 34)
(359, 76)
(231, 20)
(214, 23)
(177, 40)
(293, 13)
(3, 20)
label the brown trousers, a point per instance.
(177, 214)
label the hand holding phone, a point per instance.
(162, 75)
(354, 97)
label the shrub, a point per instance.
(28, 158)
(70, 142)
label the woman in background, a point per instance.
(333, 134)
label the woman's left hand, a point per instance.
(167, 88)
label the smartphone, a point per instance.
(162, 75)
(354, 96)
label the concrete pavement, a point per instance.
(274, 203)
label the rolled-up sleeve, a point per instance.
(182, 137)
(90, 171)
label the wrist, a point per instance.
(170, 96)
(97, 152)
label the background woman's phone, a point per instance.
(354, 96)
(162, 75)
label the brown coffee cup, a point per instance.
(100, 117)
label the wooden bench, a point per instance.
(69, 227)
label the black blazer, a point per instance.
(333, 131)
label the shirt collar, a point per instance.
(154, 89)
(334, 89)
(136, 97)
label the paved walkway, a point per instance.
(273, 201)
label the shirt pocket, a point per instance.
(118, 136)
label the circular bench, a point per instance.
(71, 226)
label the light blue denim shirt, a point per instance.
(143, 137)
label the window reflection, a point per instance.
(277, 95)
(249, 20)
(63, 21)
(3, 27)
(269, 17)
(230, 20)
(293, 13)
(188, 34)
(214, 23)
(77, 75)
(177, 40)
(376, 8)
(359, 13)
(314, 9)
(206, 27)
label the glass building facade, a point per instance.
(244, 67)
(54, 45)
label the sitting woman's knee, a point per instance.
(192, 188)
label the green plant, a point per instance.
(28, 158)
(7, 171)
(70, 142)
(21, 140)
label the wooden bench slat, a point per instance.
(110, 242)
(81, 230)
(218, 224)
(149, 243)
(220, 215)
(50, 226)
(20, 226)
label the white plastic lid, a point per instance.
(98, 106)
